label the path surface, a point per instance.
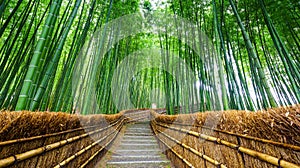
(138, 149)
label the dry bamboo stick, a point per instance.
(68, 160)
(9, 142)
(177, 154)
(23, 156)
(280, 144)
(96, 153)
(261, 156)
(203, 156)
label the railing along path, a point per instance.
(185, 144)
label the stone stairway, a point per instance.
(138, 149)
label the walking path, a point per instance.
(138, 149)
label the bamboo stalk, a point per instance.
(33, 68)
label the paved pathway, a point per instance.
(138, 149)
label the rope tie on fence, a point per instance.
(218, 141)
(15, 160)
(279, 162)
(238, 148)
(44, 150)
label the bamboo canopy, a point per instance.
(80, 56)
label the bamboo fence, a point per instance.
(45, 139)
(237, 140)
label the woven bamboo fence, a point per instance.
(45, 139)
(240, 139)
(262, 139)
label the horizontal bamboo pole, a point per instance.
(280, 144)
(34, 152)
(261, 156)
(96, 153)
(68, 160)
(9, 142)
(177, 154)
(203, 156)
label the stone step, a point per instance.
(134, 137)
(139, 144)
(137, 134)
(139, 129)
(146, 146)
(139, 164)
(137, 141)
(138, 149)
(138, 126)
(135, 158)
(139, 152)
(143, 140)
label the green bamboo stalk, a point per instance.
(291, 70)
(22, 101)
(4, 26)
(252, 54)
(52, 65)
(218, 33)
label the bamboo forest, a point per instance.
(150, 83)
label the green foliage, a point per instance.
(257, 47)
